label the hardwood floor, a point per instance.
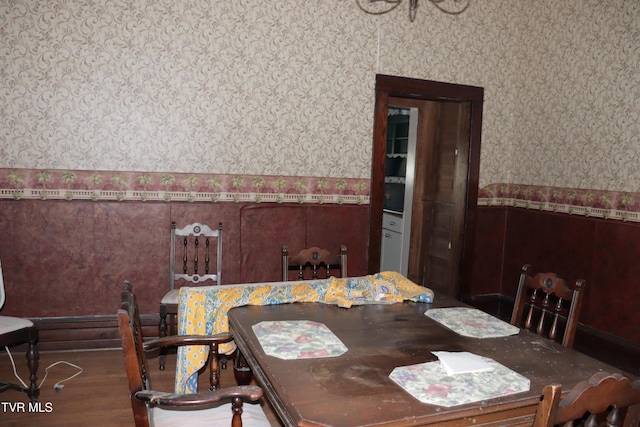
(99, 396)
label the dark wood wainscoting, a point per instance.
(604, 252)
(70, 258)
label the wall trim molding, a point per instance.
(94, 185)
(615, 205)
(19, 184)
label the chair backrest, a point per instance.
(193, 243)
(141, 393)
(316, 260)
(134, 355)
(548, 296)
(603, 396)
(1, 287)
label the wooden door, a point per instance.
(446, 180)
(440, 232)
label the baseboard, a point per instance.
(497, 305)
(600, 345)
(86, 332)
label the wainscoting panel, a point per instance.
(67, 258)
(603, 252)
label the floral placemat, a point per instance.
(298, 339)
(429, 383)
(471, 322)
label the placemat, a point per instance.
(471, 322)
(298, 339)
(429, 383)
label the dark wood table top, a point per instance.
(355, 390)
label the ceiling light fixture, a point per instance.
(450, 7)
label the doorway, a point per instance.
(402, 127)
(443, 205)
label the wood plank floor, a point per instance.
(99, 396)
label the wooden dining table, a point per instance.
(355, 389)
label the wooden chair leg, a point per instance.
(33, 358)
(162, 332)
(236, 407)
(241, 370)
(223, 361)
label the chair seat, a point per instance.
(11, 324)
(171, 297)
(252, 416)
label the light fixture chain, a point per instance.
(461, 6)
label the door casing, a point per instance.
(408, 91)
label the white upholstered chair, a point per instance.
(16, 331)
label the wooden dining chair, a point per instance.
(601, 400)
(548, 296)
(220, 406)
(17, 331)
(313, 263)
(198, 246)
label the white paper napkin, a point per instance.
(462, 362)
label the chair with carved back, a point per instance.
(198, 247)
(603, 399)
(16, 331)
(548, 296)
(314, 263)
(220, 406)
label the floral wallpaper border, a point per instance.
(178, 187)
(618, 205)
(18, 184)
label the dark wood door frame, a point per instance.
(403, 87)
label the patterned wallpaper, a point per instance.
(201, 86)
(253, 95)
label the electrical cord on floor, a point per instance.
(57, 386)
